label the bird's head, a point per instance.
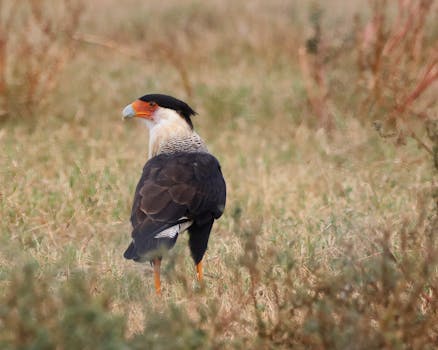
(156, 108)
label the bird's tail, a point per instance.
(131, 253)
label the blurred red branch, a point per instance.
(430, 75)
(397, 64)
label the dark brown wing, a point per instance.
(175, 188)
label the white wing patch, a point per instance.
(172, 231)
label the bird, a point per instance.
(181, 188)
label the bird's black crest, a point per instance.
(183, 109)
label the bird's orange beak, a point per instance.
(140, 109)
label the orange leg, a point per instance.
(199, 271)
(157, 264)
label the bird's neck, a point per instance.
(171, 137)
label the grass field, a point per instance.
(328, 240)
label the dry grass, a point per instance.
(328, 237)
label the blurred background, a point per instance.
(324, 117)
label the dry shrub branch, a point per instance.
(312, 60)
(35, 46)
(397, 64)
(395, 58)
(162, 52)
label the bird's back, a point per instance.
(176, 191)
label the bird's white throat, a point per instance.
(169, 131)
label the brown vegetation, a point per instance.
(35, 46)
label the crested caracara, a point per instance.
(181, 188)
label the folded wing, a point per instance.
(175, 192)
